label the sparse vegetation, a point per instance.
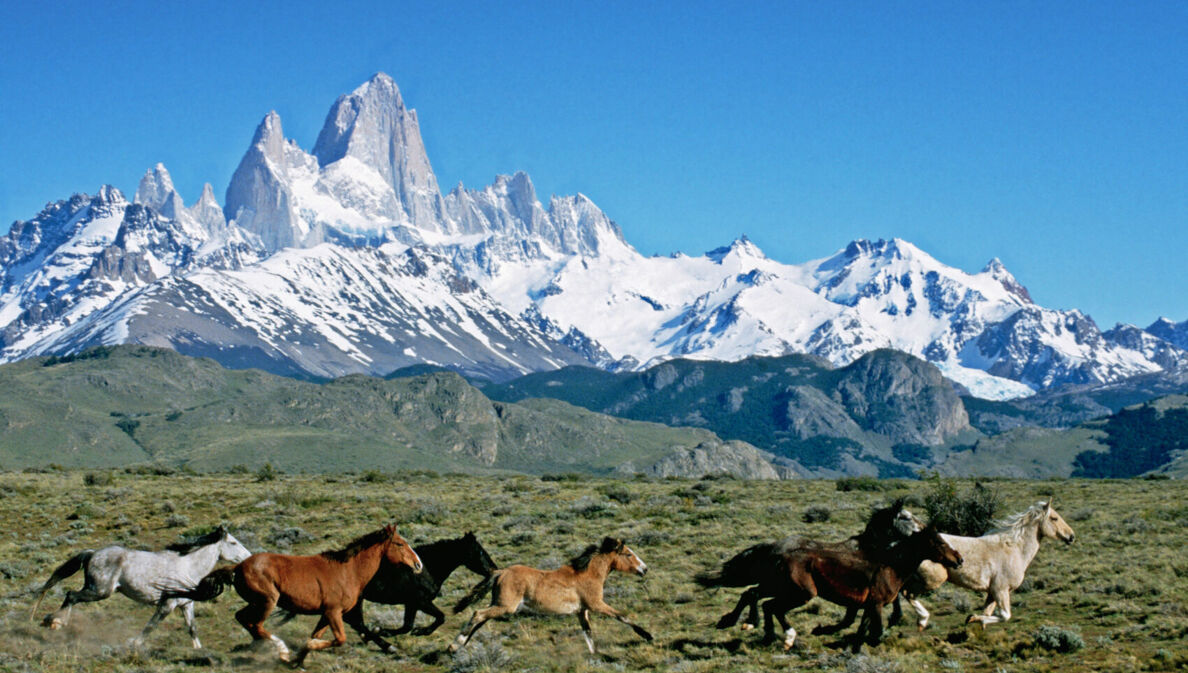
(970, 513)
(1075, 614)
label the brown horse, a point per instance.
(330, 584)
(574, 588)
(851, 579)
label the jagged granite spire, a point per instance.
(259, 197)
(372, 126)
(157, 192)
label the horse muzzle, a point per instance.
(641, 571)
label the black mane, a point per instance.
(183, 548)
(582, 560)
(357, 545)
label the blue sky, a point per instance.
(1052, 135)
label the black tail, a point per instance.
(477, 592)
(71, 566)
(207, 588)
(746, 568)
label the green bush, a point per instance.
(971, 513)
(817, 514)
(1056, 639)
(863, 483)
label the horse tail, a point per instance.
(746, 568)
(71, 566)
(207, 588)
(283, 616)
(479, 590)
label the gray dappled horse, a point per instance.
(142, 576)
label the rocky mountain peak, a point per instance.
(372, 126)
(157, 192)
(996, 270)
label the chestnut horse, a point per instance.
(330, 584)
(851, 579)
(574, 588)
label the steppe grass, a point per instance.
(1115, 600)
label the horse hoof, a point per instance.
(53, 623)
(747, 627)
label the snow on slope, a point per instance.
(348, 258)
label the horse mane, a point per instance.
(1016, 524)
(357, 545)
(582, 560)
(431, 546)
(183, 548)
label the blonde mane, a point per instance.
(1019, 523)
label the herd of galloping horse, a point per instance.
(896, 554)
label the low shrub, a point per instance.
(1056, 639)
(816, 514)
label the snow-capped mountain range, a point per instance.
(350, 259)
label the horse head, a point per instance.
(231, 549)
(397, 551)
(939, 551)
(477, 559)
(623, 559)
(1053, 525)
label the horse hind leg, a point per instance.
(987, 615)
(826, 629)
(476, 622)
(163, 609)
(90, 593)
(252, 617)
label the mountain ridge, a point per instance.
(493, 283)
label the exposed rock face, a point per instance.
(903, 398)
(734, 458)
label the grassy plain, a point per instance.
(1122, 588)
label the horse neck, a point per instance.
(367, 561)
(599, 567)
(441, 559)
(1029, 541)
(202, 559)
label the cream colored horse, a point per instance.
(994, 563)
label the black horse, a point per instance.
(398, 585)
(762, 565)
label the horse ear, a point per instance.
(223, 532)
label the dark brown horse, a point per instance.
(851, 579)
(760, 566)
(329, 584)
(574, 588)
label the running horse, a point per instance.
(760, 565)
(399, 585)
(329, 584)
(994, 563)
(139, 576)
(853, 580)
(574, 588)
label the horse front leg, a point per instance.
(748, 597)
(188, 614)
(604, 609)
(583, 616)
(354, 619)
(332, 619)
(437, 615)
